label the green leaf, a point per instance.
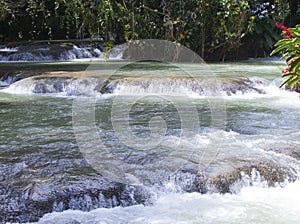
(287, 82)
(295, 65)
(288, 74)
(282, 41)
(297, 41)
(282, 84)
(285, 55)
(279, 48)
(292, 81)
(296, 34)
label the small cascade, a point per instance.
(7, 49)
(59, 86)
(231, 174)
(252, 204)
(29, 189)
(57, 187)
(38, 199)
(254, 182)
(68, 85)
(58, 52)
(233, 180)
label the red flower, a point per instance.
(287, 70)
(286, 30)
(278, 25)
(290, 62)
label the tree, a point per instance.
(215, 29)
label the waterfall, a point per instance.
(58, 52)
(65, 85)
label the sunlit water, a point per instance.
(258, 128)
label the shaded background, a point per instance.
(215, 29)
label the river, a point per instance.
(197, 156)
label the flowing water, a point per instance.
(197, 156)
(37, 52)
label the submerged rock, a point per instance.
(267, 174)
(33, 188)
(242, 85)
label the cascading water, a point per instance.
(64, 84)
(249, 175)
(251, 205)
(58, 52)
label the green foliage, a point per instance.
(205, 26)
(263, 15)
(289, 47)
(212, 28)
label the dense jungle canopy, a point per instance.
(215, 29)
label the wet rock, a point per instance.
(37, 184)
(10, 77)
(242, 85)
(230, 181)
(268, 173)
(29, 203)
(51, 84)
(40, 88)
(106, 87)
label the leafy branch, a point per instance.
(289, 48)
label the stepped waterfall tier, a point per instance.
(236, 161)
(37, 52)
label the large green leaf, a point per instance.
(282, 41)
(279, 48)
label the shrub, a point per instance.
(289, 48)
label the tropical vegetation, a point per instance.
(289, 47)
(215, 29)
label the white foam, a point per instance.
(69, 87)
(274, 59)
(83, 53)
(7, 49)
(251, 205)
